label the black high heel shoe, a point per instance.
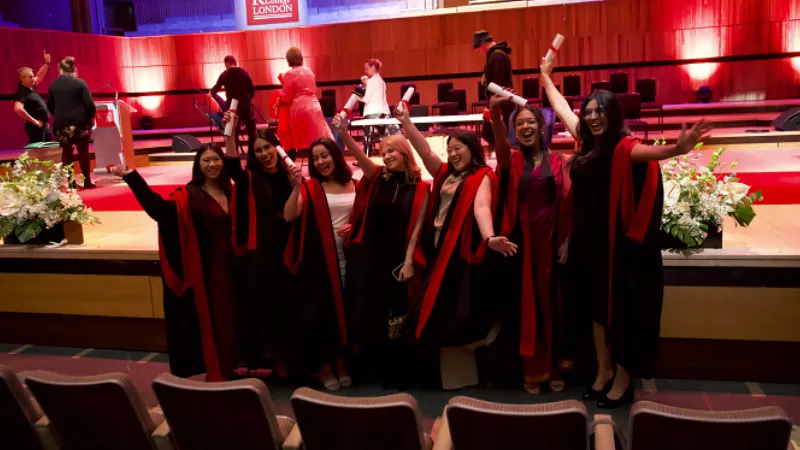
(590, 395)
(608, 403)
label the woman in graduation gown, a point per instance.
(614, 257)
(259, 240)
(384, 255)
(320, 208)
(534, 211)
(457, 230)
(196, 258)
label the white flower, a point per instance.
(672, 192)
(734, 192)
(683, 207)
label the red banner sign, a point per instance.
(266, 12)
(104, 118)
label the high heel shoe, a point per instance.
(590, 395)
(609, 403)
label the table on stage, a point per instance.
(474, 120)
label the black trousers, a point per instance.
(36, 134)
(82, 144)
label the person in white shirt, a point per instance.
(375, 106)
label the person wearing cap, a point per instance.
(497, 69)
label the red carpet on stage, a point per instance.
(778, 188)
(120, 198)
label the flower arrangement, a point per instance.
(36, 196)
(697, 197)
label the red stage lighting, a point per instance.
(698, 44)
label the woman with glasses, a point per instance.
(614, 256)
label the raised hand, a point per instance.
(46, 57)
(403, 115)
(119, 171)
(230, 115)
(339, 124)
(499, 100)
(501, 244)
(546, 67)
(687, 141)
(295, 175)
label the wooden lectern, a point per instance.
(113, 136)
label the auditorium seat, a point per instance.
(419, 111)
(619, 82)
(530, 88)
(545, 99)
(328, 105)
(654, 426)
(19, 415)
(234, 414)
(458, 96)
(601, 85)
(98, 412)
(632, 106)
(482, 102)
(329, 93)
(646, 87)
(441, 91)
(572, 89)
(330, 422)
(473, 424)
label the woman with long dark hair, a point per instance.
(534, 212)
(614, 253)
(196, 263)
(259, 238)
(457, 231)
(384, 249)
(320, 208)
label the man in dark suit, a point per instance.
(28, 104)
(238, 85)
(73, 116)
(497, 70)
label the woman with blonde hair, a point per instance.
(299, 91)
(384, 254)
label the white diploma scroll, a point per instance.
(348, 107)
(229, 125)
(286, 160)
(551, 53)
(406, 98)
(497, 90)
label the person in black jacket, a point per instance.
(496, 70)
(238, 85)
(73, 111)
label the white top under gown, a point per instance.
(340, 206)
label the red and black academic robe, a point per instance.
(259, 237)
(449, 312)
(196, 262)
(536, 213)
(383, 219)
(315, 315)
(615, 256)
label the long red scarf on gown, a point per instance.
(513, 209)
(315, 202)
(360, 214)
(634, 220)
(461, 224)
(251, 242)
(192, 279)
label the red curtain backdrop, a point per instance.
(620, 31)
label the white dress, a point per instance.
(340, 206)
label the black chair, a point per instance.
(619, 82)
(530, 88)
(482, 102)
(328, 105)
(458, 96)
(646, 87)
(419, 111)
(545, 99)
(601, 85)
(329, 93)
(441, 91)
(632, 105)
(572, 85)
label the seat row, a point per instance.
(44, 410)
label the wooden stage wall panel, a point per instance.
(619, 31)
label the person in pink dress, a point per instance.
(299, 91)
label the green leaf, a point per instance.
(674, 232)
(744, 215)
(668, 227)
(29, 230)
(6, 228)
(704, 226)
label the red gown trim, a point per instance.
(192, 279)
(461, 224)
(634, 221)
(314, 200)
(252, 235)
(513, 207)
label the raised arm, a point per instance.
(408, 265)
(294, 205)
(230, 141)
(432, 162)
(483, 215)
(42, 70)
(685, 143)
(502, 147)
(367, 166)
(560, 105)
(153, 204)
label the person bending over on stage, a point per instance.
(28, 104)
(618, 197)
(497, 69)
(196, 265)
(73, 111)
(458, 228)
(384, 255)
(280, 112)
(299, 91)
(238, 85)
(375, 106)
(534, 212)
(320, 207)
(259, 238)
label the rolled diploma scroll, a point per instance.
(107, 170)
(406, 98)
(286, 160)
(551, 53)
(348, 107)
(497, 90)
(229, 125)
